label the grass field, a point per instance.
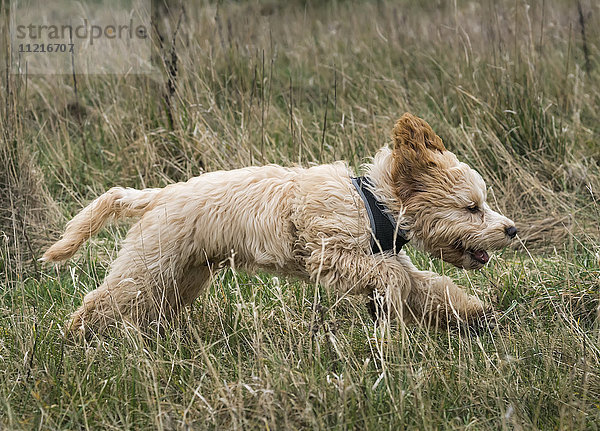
(512, 88)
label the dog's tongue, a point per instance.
(481, 256)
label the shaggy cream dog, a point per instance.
(310, 223)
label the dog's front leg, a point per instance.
(435, 300)
(356, 272)
(399, 288)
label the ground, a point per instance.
(512, 89)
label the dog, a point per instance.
(312, 223)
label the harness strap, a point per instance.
(386, 236)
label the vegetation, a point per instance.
(512, 88)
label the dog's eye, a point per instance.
(473, 208)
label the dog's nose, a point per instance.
(511, 231)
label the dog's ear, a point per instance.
(416, 134)
(416, 151)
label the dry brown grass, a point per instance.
(512, 89)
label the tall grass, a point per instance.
(511, 87)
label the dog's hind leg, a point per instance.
(196, 279)
(153, 277)
(137, 300)
(129, 293)
(116, 299)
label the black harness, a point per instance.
(386, 236)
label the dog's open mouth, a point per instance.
(480, 256)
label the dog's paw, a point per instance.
(477, 325)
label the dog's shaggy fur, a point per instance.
(310, 223)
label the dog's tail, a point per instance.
(116, 203)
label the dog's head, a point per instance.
(444, 198)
